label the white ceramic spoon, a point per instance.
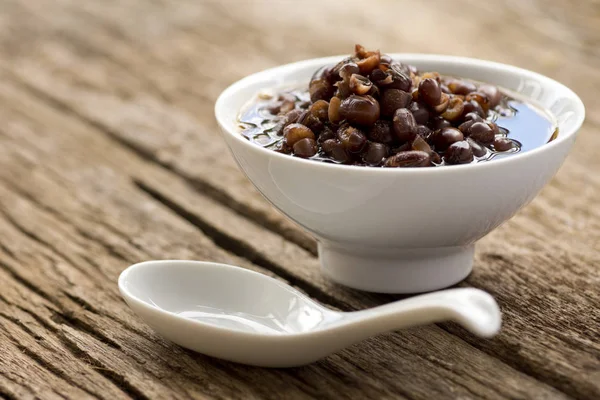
(240, 315)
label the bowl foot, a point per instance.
(396, 270)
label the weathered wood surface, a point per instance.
(109, 155)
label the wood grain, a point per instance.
(109, 154)
(50, 145)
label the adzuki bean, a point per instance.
(381, 132)
(404, 125)
(393, 99)
(295, 132)
(360, 110)
(410, 158)
(371, 110)
(430, 92)
(445, 137)
(305, 148)
(478, 149)
(420, 112)
(482, 133)
(351, 138)
(375, 153)
(459, 153)
(503, 144)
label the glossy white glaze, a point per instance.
(377, 214)
(243, 316)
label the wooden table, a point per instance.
(109, 154)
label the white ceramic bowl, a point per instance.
(402, 230)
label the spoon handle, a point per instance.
(474, 309)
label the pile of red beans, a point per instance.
(371, 110)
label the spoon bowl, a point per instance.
(247, 317)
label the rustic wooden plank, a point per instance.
(195, 25)
(138, 381)
(137, 121)
(43, 276)
(137, 48)
(105, 342)
(575, 29)
(230, 188)
(31, 376)
(419, 363)
(33, 347)
(88, 66)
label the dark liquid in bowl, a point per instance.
(525, 124)
(530, 126)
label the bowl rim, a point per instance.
(231, 90)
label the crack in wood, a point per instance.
(24, 281)
(52, 369)
(5, 300)
(68, 318)
(39, 319)
(21, 325)
(87, 306)
(438, 362)
(239, 248)
(200, 185)
(10, 185)
(62, 316)
(9, 218)
(82, 303)
(16, 381)
(51, 248)
(6, 250)
(113, 376)
(94, 263)
(5, 394)
(510, 356)
(241, 209)
(39, 359)
(111, 250)
(57, 213)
